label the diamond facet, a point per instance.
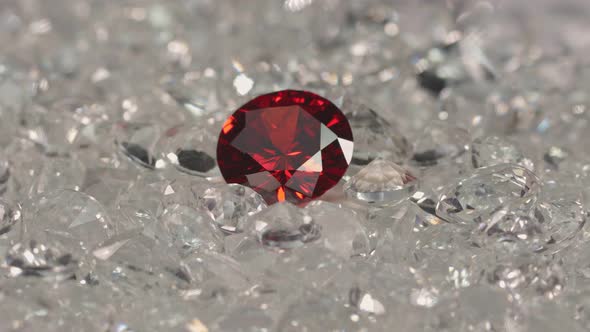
(287, 145)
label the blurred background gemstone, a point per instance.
(190, 148)
(377, 138)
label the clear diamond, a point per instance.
(107, 184)
(542, 224)
(381, 181)
(135, 255)
(278, 219)
(375, 137)
(144, 195)
(186, 228)
(485, 191)
(197, 92)
(518, 224)
(424, 242)
(4, 175)
(494, 150)
(25, 162)
(341, 228)
(183, 190)
(39, 260)
(10, 218)
(73, 219)
(14, 94)
(191, 149)
(137, 142)
(290, 238)
(230, 205)
(60, 173)
(214, 271)
(54, 130)
(440, 143)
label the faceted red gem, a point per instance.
(287, 145)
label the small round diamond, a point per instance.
(287, 145)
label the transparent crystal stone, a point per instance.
(190, 148)
(198, 92)
(145, 195)
(513, 111)
(214, 272)
(342, 229)
(14, 95)
(290, 238)
(10, 218)
(25, 161)
(281, 225)
(486, 190)
(453, 62)
(265, 77)
(53, 130)
(230, 205)
(28, 303)
(563, 222)
(9, 215)
(60, 173)
(4, 175)
(549, 316)
(134, 255)
(440, 143)
(74, 219)
(498, 314)
(494, 150)
(547, 223)
(380, 181)
(137, 142)
(39, 260)
(184, 190)
(246, 319)
(555, 157)
(107, 184)
(374, 137)
(528, 275)
(249, 251)
(432, 181)
(463, 106)
(304, 314)
(435, 250)
(188, 229)
(408, 230)
(95, 145)
(518, 223)
(309, 266)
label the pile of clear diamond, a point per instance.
(464, 208)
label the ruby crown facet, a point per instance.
(287, 145)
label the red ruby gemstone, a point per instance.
(287, 145)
